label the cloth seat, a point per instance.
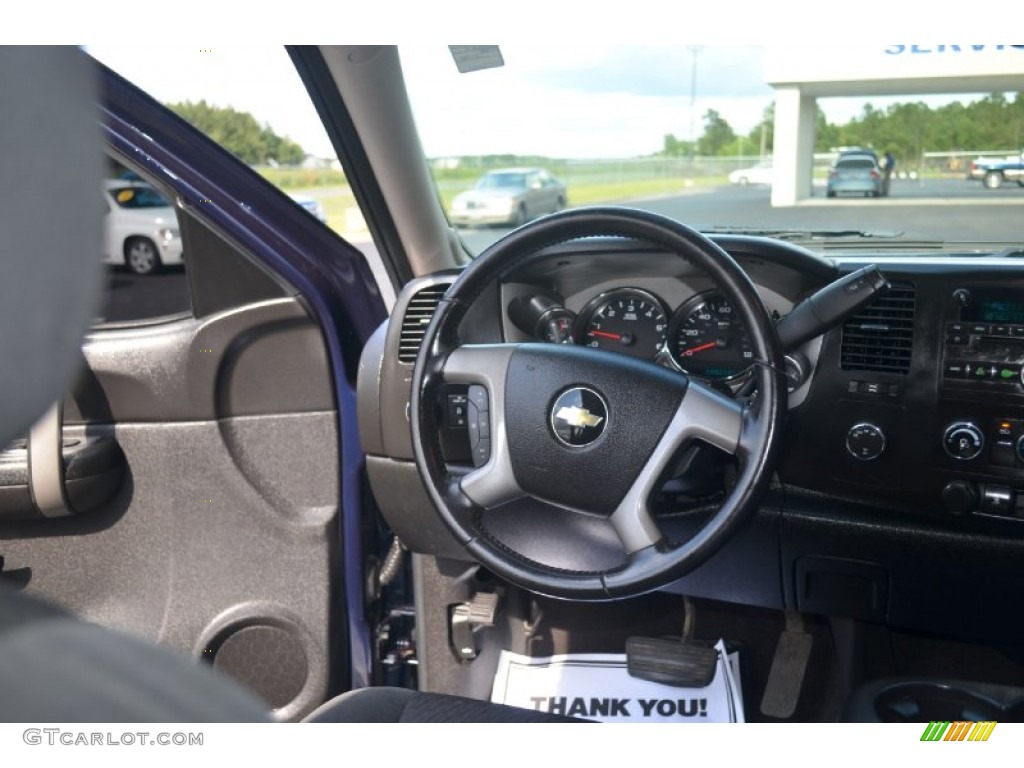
(400, 705)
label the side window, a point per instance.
(251, 101)
(141, 250)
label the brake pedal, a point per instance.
(789, 666)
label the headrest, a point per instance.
(50, 225)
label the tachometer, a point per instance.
(707, 339)
(627, 320)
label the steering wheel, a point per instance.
(578, 439)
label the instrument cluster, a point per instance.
(702, 336)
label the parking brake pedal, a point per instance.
(786, 678)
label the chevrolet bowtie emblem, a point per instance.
(578, 417)
(575, 416)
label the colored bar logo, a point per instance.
(958, 730)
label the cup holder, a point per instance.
(917, 701)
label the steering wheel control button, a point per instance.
(963, 440)
(478, 397)
(479, 425)
(579, 417)
(457, 408)
(865, 442)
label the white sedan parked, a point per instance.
(762, 173)
(141, 227)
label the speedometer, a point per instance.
(627, 320)
(707, 339)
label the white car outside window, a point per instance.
(141, 228)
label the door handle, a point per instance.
(46, 464)
(55, 475)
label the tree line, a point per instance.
(240, 133)
(908, 129)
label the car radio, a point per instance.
(985, 348)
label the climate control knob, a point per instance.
(865, 441)
(963, 440)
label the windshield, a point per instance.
(680, 130)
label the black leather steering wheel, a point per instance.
(580, 438)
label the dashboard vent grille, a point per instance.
(881, 336)
(417, 318)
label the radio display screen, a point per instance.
(995, 306)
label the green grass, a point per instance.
(604, 191)
(340, 207)
(303, 178)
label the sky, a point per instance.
(565, 101)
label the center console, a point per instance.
(982, 389)
(918, 402)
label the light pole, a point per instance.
(694, 49)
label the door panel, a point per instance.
(234, 424)
(222, 538)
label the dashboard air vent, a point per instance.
(417, 317)
(881, 336)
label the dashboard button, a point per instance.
(1009, 374)
(980, 329)
(998, 500)
(1002, 454)
(865, 442)
(978, 371)
(963, 440)
(956, 369)
(873, 388)
(960, 496)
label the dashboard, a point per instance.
(901, 479)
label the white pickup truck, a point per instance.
(993, 172)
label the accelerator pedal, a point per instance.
(786, 678)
